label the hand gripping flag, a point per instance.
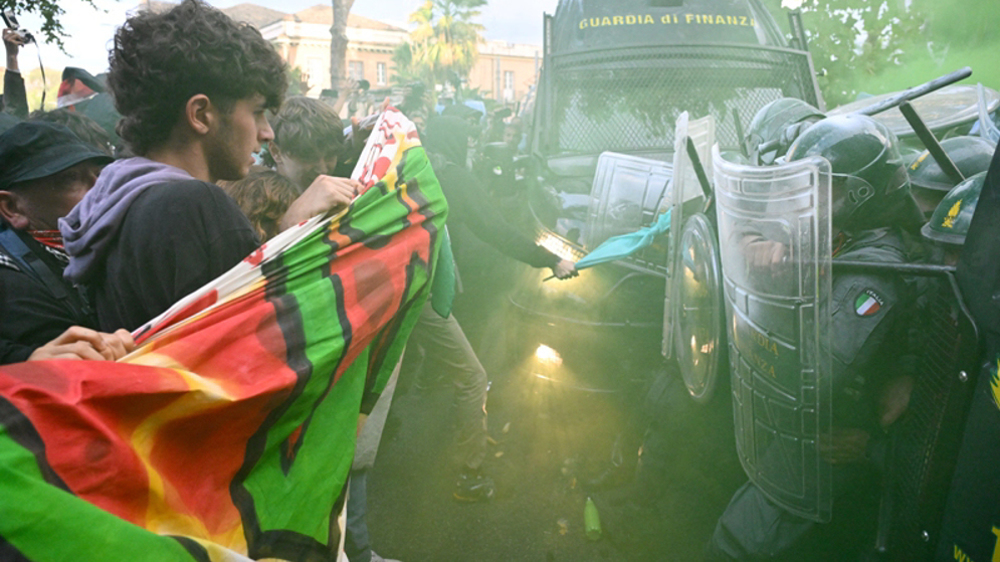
(230, 432)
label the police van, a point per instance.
(616, 78)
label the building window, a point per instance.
(356, 70)
(380, 73)
(314, 70)
(508, 86)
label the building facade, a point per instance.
(504, 72)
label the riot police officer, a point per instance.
(971, 156)
(781, 121)
(949, 224)
(874, 219)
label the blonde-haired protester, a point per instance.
(264, 197)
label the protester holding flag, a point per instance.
(228, 433)
(156, 228)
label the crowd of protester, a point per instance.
(105, 228)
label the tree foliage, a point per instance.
(853, 41)
(405, 70)
(956, 22)
(878, 46)
(445, 44)
(52, 30)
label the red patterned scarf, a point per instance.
(50, 238)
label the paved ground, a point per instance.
(551, 439)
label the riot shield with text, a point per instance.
(774, 236)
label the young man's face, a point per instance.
(240, 134)
(303, 171)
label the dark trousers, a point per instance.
(357, 545)
(445, 344)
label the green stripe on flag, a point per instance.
(302, 499)
(45, 523)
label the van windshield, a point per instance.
(630, 104)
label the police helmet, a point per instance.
(970, 154)
(950, 222)
(770, 123)
(870, 186)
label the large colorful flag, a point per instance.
(230, 432)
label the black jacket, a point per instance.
(447, 140)
(176, 237)
(34, 307)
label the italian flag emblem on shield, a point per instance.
(868, 303)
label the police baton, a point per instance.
(919, 91)
(896, 100)
(930, 141)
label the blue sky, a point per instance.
(518, 21)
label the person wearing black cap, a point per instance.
(44, 171)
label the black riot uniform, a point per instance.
(872, 348)
(971, 527)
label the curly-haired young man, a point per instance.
(193, 87)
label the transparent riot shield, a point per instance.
(987, 129)
(699, 326)
(627, 194)
(774, 236)
(694, 334)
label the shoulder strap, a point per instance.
(7, 261)
(26, 261)
(32, 265)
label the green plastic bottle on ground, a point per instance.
(591, 521)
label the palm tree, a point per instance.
(405, 70)
(445, 43)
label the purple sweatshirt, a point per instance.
(92, 225)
